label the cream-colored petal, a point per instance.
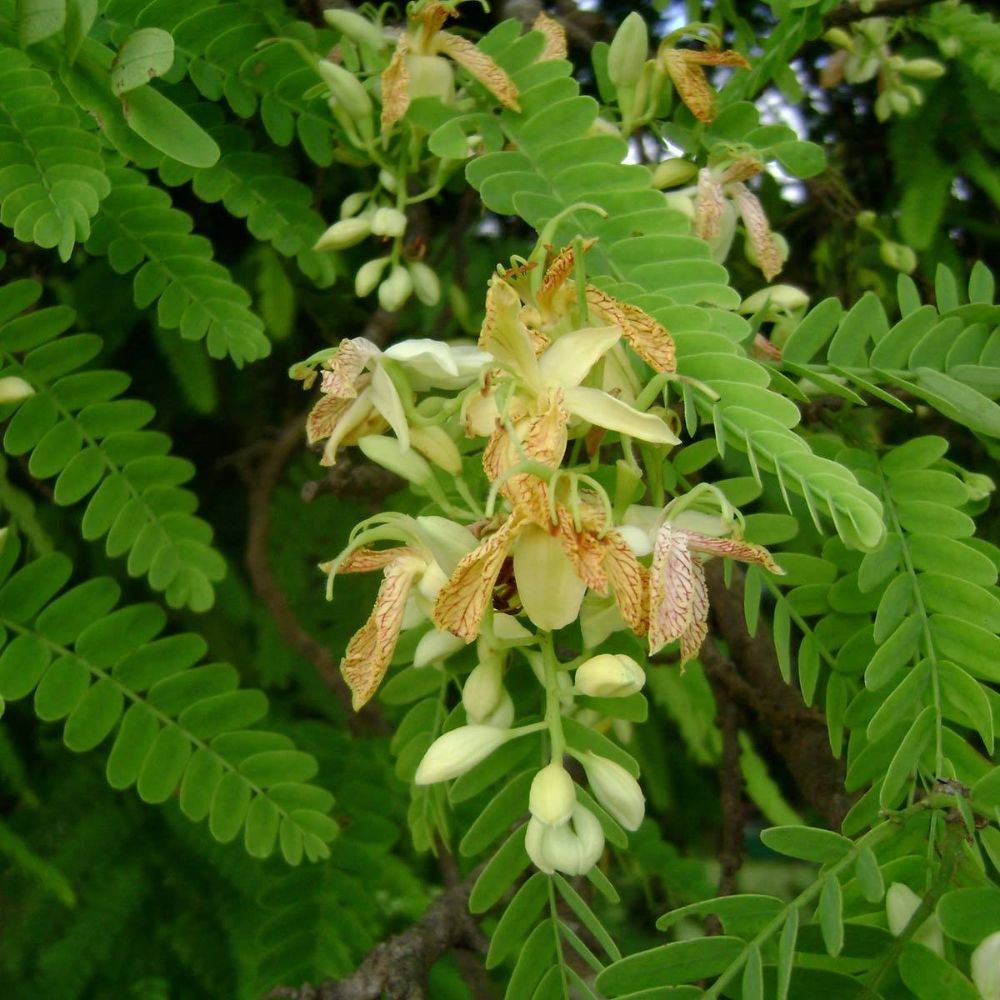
(477, 63)
(569, 360)
(463, 600)
(370, 650)
(602, 410)
(385, 399)
(365, 560)
(435, 445)
(629, 581)
(504, 335)
(672, 586)
(550, 590)
(355, 417)
(692, 87)
(734, 548)
(345, 367)
(648, 338)
(323, 417)
(697, 630)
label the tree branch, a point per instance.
(753, 680)
(849, 12)
(397, 968)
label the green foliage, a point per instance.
(163, 164)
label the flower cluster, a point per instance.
(527, 448)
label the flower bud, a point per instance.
(615, 789)
(980, 486)
(609, 675)
(482, 690)
(425, 283)
(347, 89)
(552, 796)
(509, 631)
(673, 173)
(357, 28)
(388, 221)
(434, 444)
(432, 580)
(502, 717)
(837, 36)
(922, 69)
(353, 204)
(436, 645)
(369, 275)
(14, 389)
(901, 903)
(390, 454)
(680, 203)
(779, 298)
(458, 751)
(388, 180)
(985, 965)
(898, 101)
(395, 290)
(950, 46)
(629, 51)
(573, 848)
(343, 234)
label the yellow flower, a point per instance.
(418, 68)
(552, 564)
(360, 398)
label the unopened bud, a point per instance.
(369, 275)
(837, 36)
(573, 848)
(458, 751)
(435, 646)
(482, 690)
(388, 180)
(985, 967)
(922, 69)
(950, 46)
(354, 26)
(901, 902)
(979, 486)
(343, 234)
(425, 283)
(615, 789)
(898, 101)
(353, 204)
(14, 389)
(673, 173)
(388, 221)
(680, 203)
(629, 51)
(781, 298)
(347, 89)
(434, 444)
(552, 796)
(389, 453)
(395, 290)
(609, 675)
(502, 717)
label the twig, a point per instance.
(262, 482)
(752, 678)
(849, 12)
(397, 969)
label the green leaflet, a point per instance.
(63, 650)
(197, 296)
(54, 177)
(77, 429)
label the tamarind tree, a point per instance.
(627, 377)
